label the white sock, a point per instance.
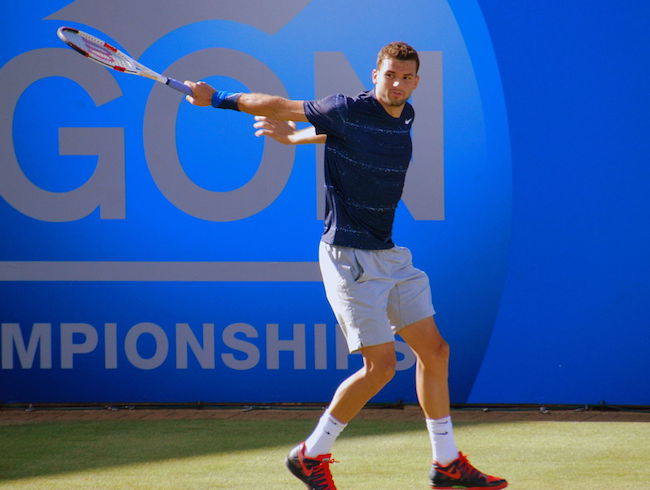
(322, 439)
(443, 445)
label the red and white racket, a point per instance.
(103, 53)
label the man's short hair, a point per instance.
(398, 50)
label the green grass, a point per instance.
(223, 454)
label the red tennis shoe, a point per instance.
(314, 472)
(461, 474)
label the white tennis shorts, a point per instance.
(374, 293)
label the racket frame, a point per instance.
(136, 68)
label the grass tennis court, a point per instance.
(246, 451)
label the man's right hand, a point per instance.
(202, 93)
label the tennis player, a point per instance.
(371, 284)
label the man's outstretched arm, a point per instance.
(271, 106)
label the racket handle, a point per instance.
(180, 86)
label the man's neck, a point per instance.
(393, 110)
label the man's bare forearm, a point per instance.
(307, 136)
(272, 106)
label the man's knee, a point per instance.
(440, 349)
(435, 355)
(380, 368)
(381, 372)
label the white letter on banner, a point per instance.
(162, 155)
(110, 346)
(185, 339)
(274, 345)
(69, 348)
(41, 336)
(320, 346)
(105, 189)
(342, 352)
(131, 345)
(230, 339)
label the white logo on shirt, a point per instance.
(408, 121)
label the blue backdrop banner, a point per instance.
(154, 251)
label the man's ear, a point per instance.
(374, 76)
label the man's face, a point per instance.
(394, 81)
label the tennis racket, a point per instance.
(103, 53)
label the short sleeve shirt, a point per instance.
(367, 154)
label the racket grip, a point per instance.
(180, 86)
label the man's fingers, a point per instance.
(278, 130)
(191, 85)
(263, 124)
(201, 93)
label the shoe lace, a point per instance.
(321, 474)
(466, 468)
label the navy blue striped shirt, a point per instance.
(366, 157)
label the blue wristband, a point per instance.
(225, 100)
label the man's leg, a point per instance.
(432, 369)
(310, 460)
(450, 468)
(432, 355)
(353, 393)
(351, 396)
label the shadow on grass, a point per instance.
(42, 449)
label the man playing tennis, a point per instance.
(371, 284)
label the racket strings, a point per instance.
(103, 52)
